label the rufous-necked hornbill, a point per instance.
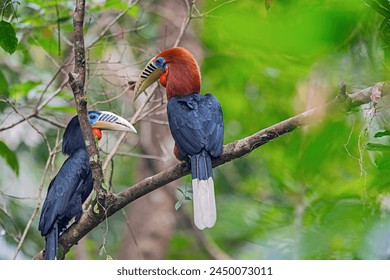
(73, 183)
(195, 121)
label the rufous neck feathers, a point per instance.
(182, 74)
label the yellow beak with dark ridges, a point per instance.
(110, 121)
(148, 76)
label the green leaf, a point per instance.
(96, 208)
(8, 40)
(381, 10)
(115, 4)
(382, 133)
(3, 90)
(187, 194)
(94, 195)
(64, 109)
(9, 157)
(133, 11)
(3, 84)
(385, 4)
(21, 90)
(384, 165)
(377, 147)
(105, 186)
(178, 204)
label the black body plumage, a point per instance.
(68, 189)
(196, 124)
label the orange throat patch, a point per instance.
(97, 133)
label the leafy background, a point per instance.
(318, 193)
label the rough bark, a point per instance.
(77, 83)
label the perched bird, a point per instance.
(195, 121)
(73, 182)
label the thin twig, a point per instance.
(52, 153)
(123, 136)
(115, 20)
(59, 125)
(14, 236)
(36, 111)
(126, 31)
(28, 121)
(17, 197)
(185, 23)
(205, 14)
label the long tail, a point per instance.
(51, 247)
(205, 213)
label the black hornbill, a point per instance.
(73, 183)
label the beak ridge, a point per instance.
(111, 121)
(148, 76)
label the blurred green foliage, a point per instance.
(321, 192)
(310, 194)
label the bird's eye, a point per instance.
(92, 117)
(159, 61)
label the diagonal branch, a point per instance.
(231, 151)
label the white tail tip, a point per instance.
(205, 212)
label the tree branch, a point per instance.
(77, 83)
(231, 151)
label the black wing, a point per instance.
(196, 123)
(72, 184)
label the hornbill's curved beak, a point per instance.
(148, 76)
(110, 121)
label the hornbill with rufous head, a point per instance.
(73, 183)
(195, 121)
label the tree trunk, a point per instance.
(152, 218)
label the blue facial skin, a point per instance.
(160, 63)
(93, 116)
